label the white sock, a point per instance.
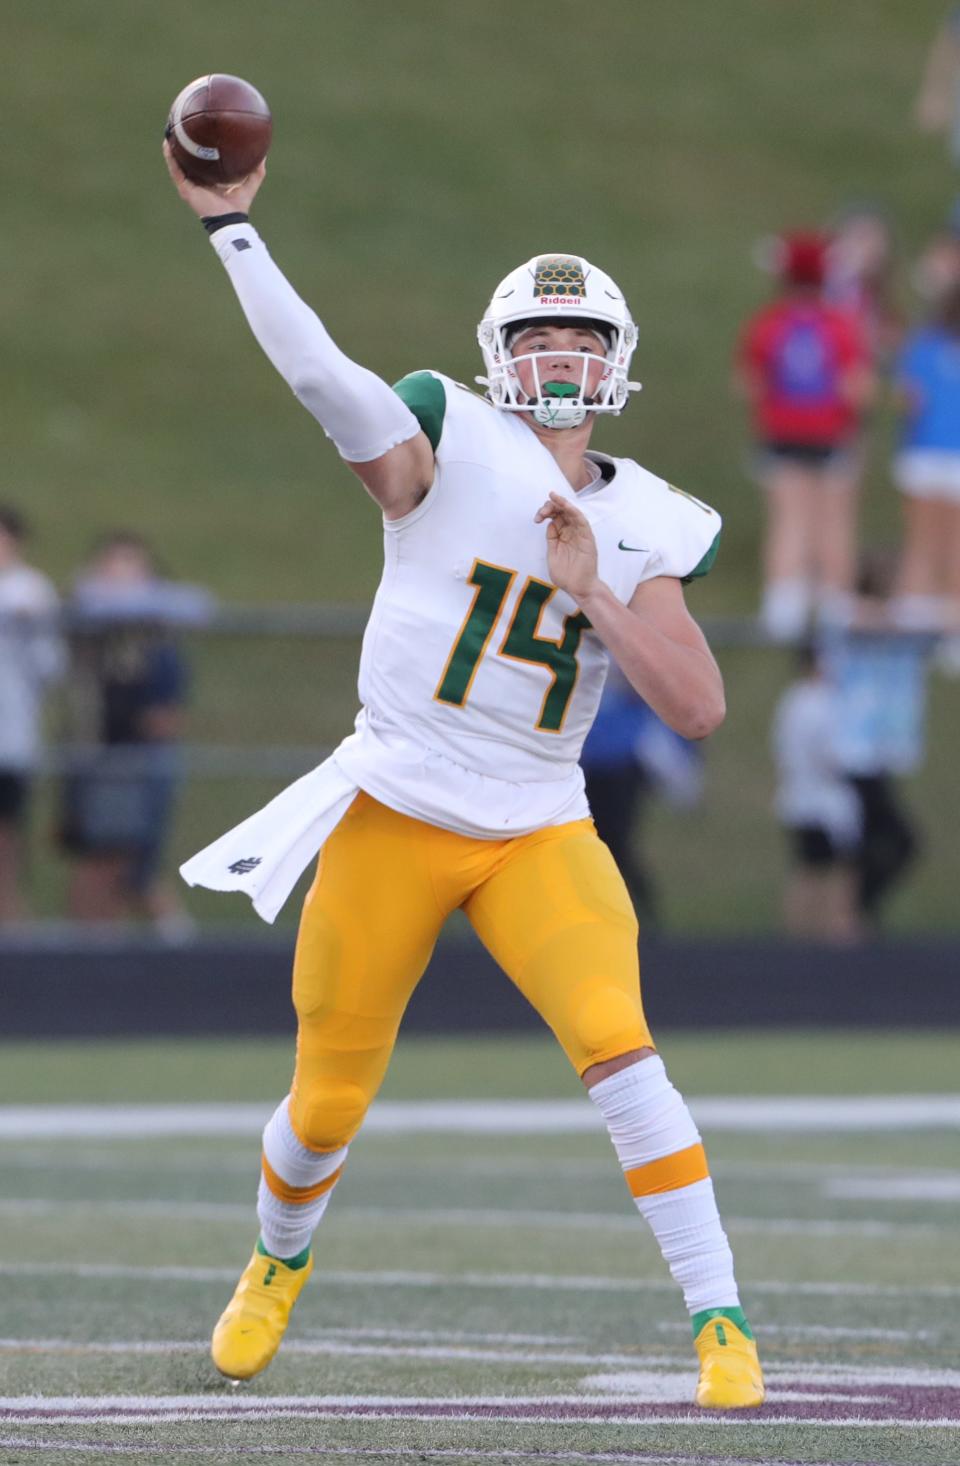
(785, 609)
(288, 1221)
(835, 608)
(657, 1145)
(919, 613)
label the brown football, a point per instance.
(219, 129)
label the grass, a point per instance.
(746, 1062)
(410, 169)
(421, 151)
(500, 1268)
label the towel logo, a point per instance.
(245, 866)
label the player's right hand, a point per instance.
(223, 199)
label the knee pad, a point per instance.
(608, 1021)
(327, 1113)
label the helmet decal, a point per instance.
(553, 288)
(559, 275)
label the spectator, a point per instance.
(859, 276)
(878, 671)
(927, 470)
(938, 102)
(818, 809)
(31, 657)
(629, 756)
(129, 685)
(938, 266)
(804, 365)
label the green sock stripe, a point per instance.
(735, 1315)
(301, 1259)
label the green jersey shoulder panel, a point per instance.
(705, 564)
(426, 397)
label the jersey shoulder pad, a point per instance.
(434, 399)
(689, 530)
(426, 396)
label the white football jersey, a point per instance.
(479, 679)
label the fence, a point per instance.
(273, 690)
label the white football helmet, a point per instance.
(557, 288)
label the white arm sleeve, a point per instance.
(356, 409)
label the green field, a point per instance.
(421, 150)
(485, 1297)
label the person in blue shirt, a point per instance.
(927, 470)
(631, 755)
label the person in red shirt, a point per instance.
(804, 366)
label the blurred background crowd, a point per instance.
(845, 383)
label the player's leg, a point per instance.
(557, 917)
(368, 927)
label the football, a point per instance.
(219, 129)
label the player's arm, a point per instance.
(375, 433)
(654, 640)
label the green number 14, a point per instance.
(521, 642)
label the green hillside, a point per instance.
(420, 151)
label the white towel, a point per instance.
(266, 854)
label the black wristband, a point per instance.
(213, 222)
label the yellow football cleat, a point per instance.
(250, 1329)
(730, 1373)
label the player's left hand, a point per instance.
(571, 547)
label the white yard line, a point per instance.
(345, 1349)
(482, 1217)
(511, 1282)
(944, 1187)
(72, 1157)
(822, 1331)
(751, 1113)
(384, 1453)
(480, 1415)
(624, 1391)
(649, 1380)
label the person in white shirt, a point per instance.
(516, 564)
(817, 808)
(31, 658)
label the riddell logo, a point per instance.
(560, 300)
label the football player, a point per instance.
(517, 562)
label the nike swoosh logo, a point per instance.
(638, 549)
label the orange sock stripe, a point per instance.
(669, 1173)
(295, 1194)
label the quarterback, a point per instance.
(517, 562)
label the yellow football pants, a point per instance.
(550, 907)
